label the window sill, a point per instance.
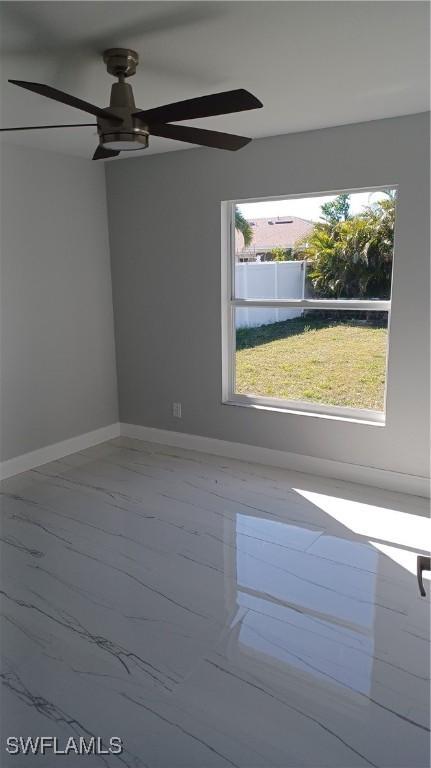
(370, 418)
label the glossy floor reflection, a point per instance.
(212, 613)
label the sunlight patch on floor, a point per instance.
(383, 527)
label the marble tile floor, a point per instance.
(212, 613)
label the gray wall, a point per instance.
(164, 216)
(57, 346)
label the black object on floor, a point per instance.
(423, 564)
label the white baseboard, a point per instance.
(57, 450)
(354, 473)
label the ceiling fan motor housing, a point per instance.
(132, 133)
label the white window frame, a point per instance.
(230, 303)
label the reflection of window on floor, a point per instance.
(302, 609)
(307, 302)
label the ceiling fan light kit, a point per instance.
(124, 128)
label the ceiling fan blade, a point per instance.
(40, 127)
(200, 136)
(101, 153)
(203, 106)
(65, 98)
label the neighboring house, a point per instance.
(269, 233)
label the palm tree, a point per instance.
(243, 226)
(352, 258)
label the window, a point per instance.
(306, 303)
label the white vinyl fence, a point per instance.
(268, 280)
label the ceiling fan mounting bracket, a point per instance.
(121, 62)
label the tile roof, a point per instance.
(269, 233)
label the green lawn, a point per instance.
(337, 363)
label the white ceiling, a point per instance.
(313, 64)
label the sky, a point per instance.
(306, 207)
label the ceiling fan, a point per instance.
(122, 127)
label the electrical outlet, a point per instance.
(176, 410)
